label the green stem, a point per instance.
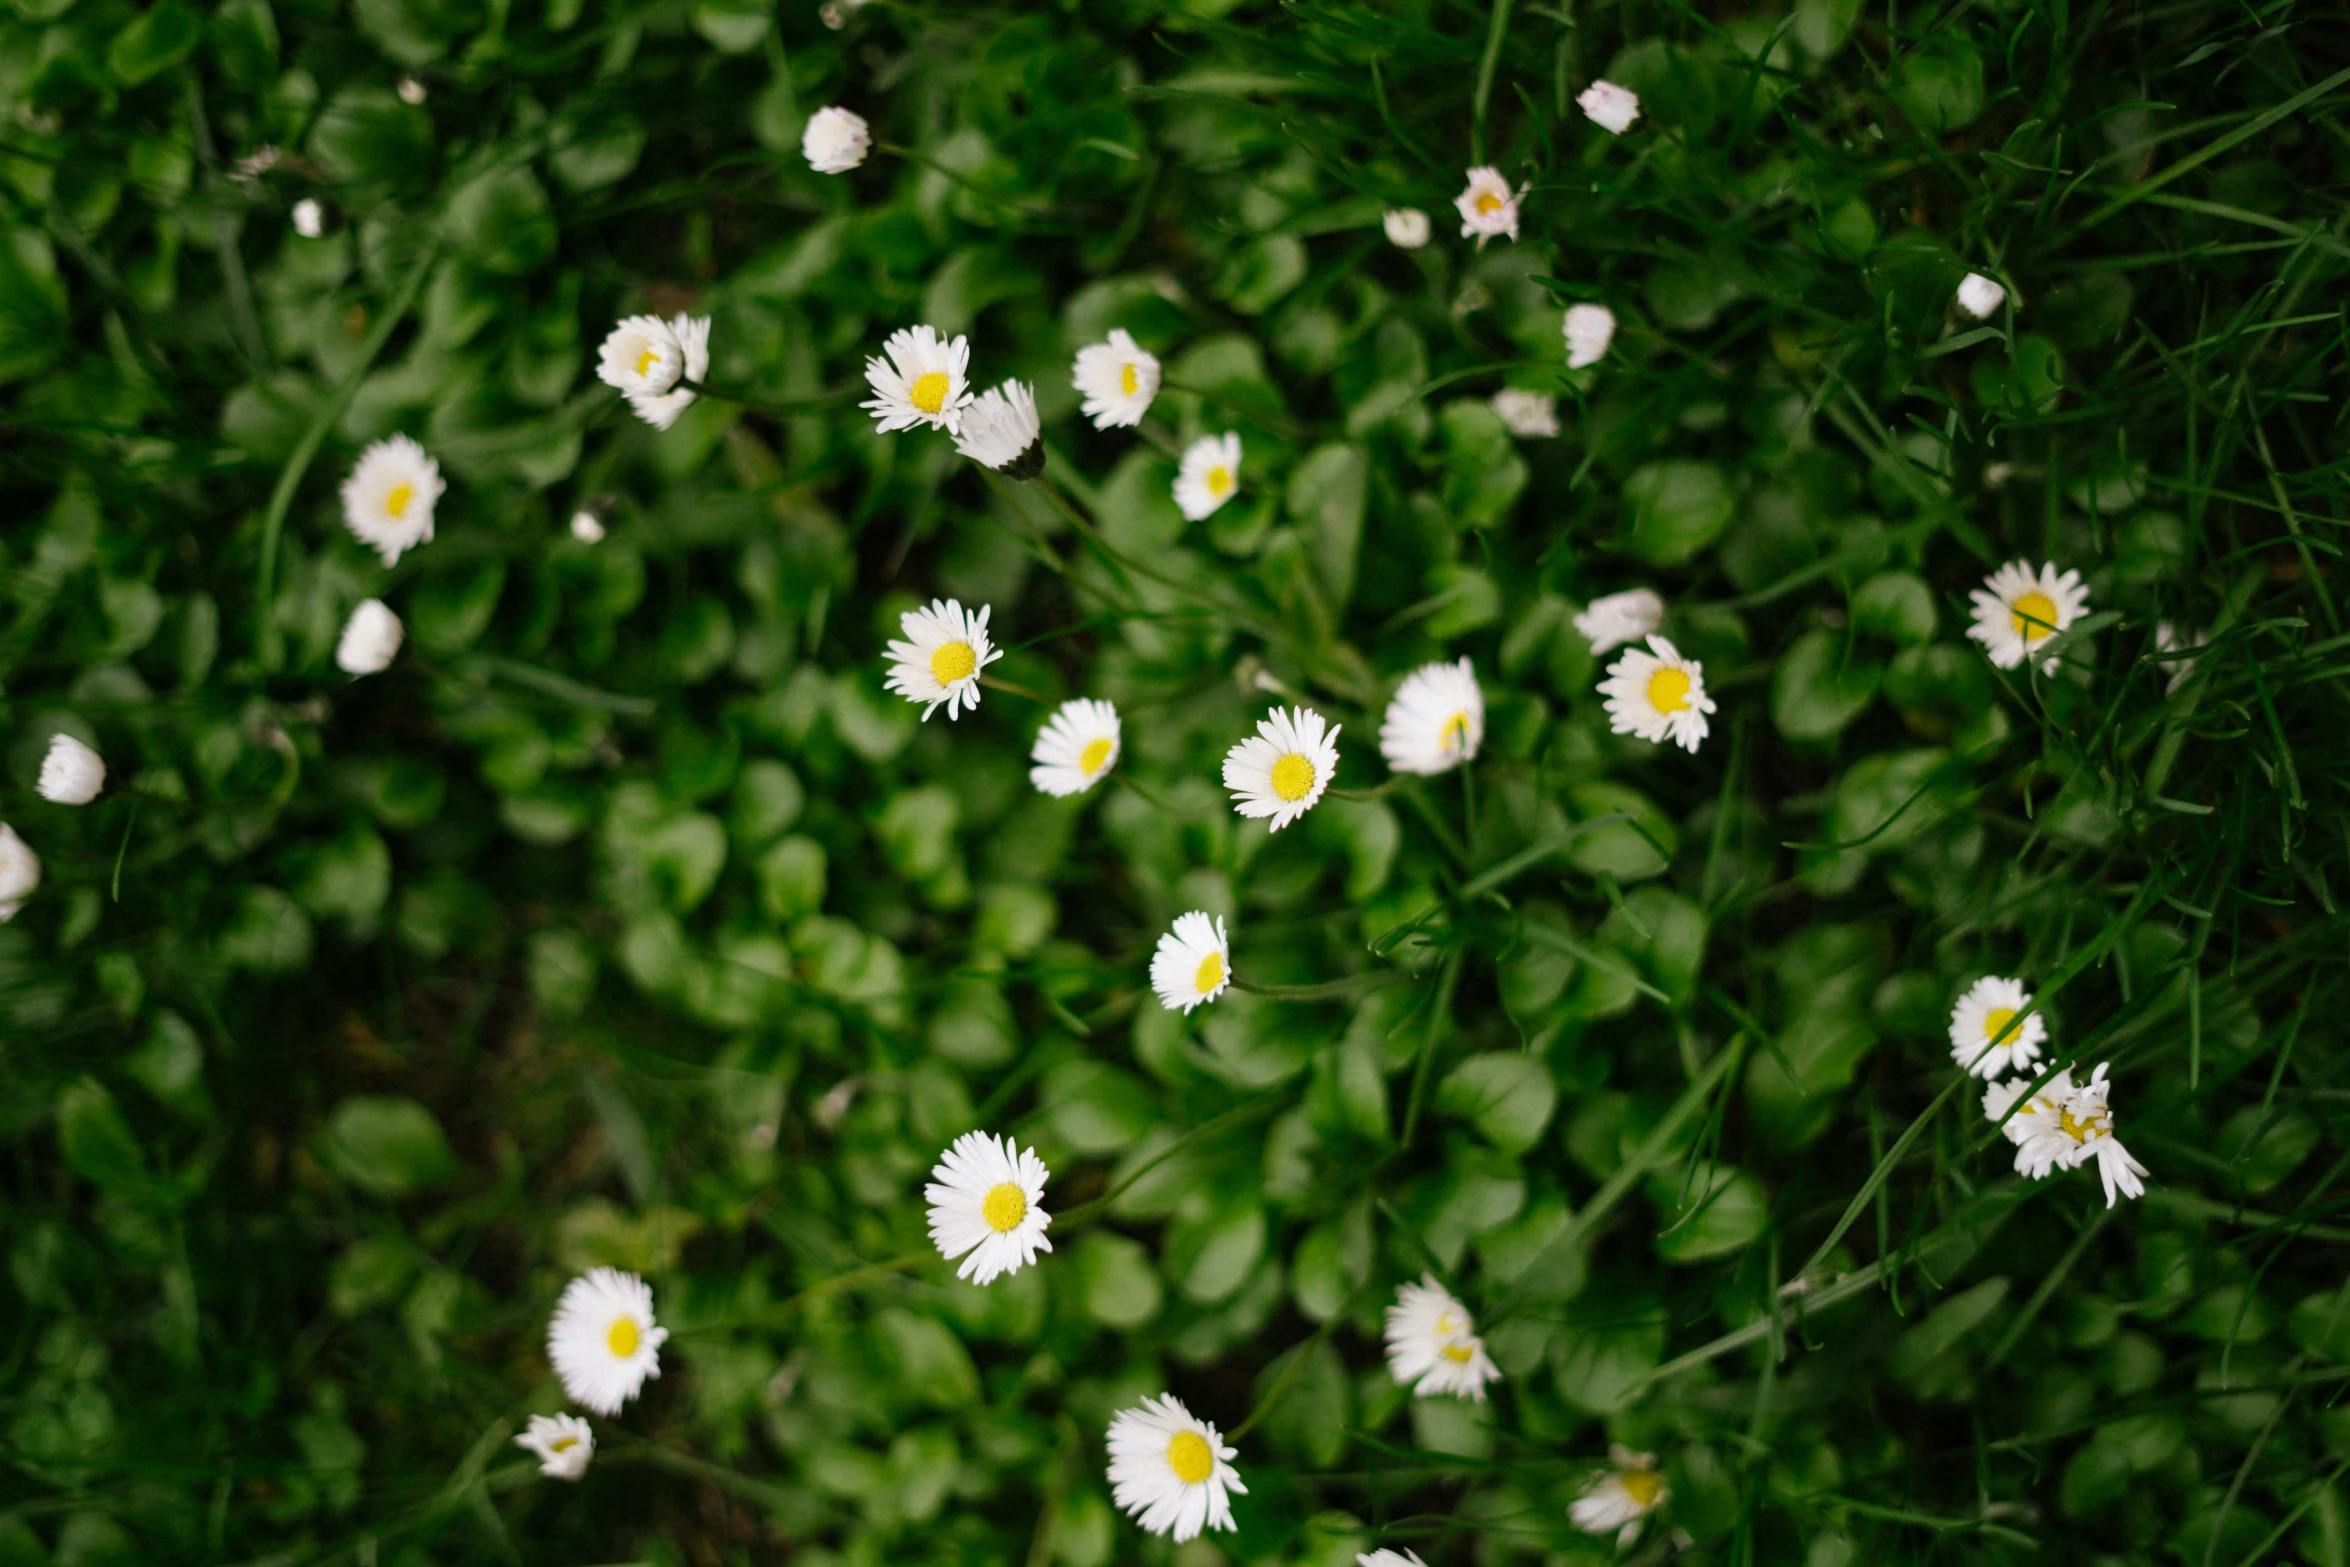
(993, 683)
(1495, 31)
(1239, 1114)
(1324, 992)
(823, 399)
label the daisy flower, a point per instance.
(370, 640)
(2063, 1127)
(1436, 720)
(1487, 208)
(1618, 618)
(1387, 1558)
(585, 527)
(72, 773)
(1209, 475)
(987, 1199)
(946, 647)
(926, 380)
(603, 1340)
(2169, 639)
(1076, 748)
(564, 1444)
(411, 91)
(1193, 963)
(1657, 695)
(20, 872)
(1170, 1471)
(1979, 297)
(1985, 1038)
(1282, 770)
(388, 499)
(1000, 431)
(835, 141)
(645, 358)
(1611, 108)
(1432, 1344)
(1588, 330)
(1618, 1499)
(2018, 607)
(309, 218)
(1407, 227)
(1119, 378)
(1530, 414)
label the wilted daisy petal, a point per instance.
(646, 358)
(2065, 1126)
(1193, 963)
(1534, 415)
(925, 379)
(564, 1444)
(1979, 297)
(1588, 329)
(1282, 770)
(945, 649)
(603, 1340)
(2169, 639)
(1618, 618)
(2020, 606)
(986, 1201)
(1657, 695)
(1209, 476)
(1118, 377)
(20, 873)
(1436, 720)
(1076, 748)
(1488, 207)
(1611, 108)
(1171, 1472)
(835, 141)
(1618, 1499)
(388, 499)
(1384, 1557)
(1985, 1037)
(1432, 1344)
(370, 639)
(1407, 227)
(1000, 431)
(72, 773)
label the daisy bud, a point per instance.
(370, 640)
(1000, 431)
(564, 1444)
(309, 218)
(1979, 297)
(72, 773)
(1407, 227)
(835, 141)
(1618, 618)
(1611, 108)
(1530, 414)
(20, 873)
(1589, 329)
(585, 528)
(411, 91)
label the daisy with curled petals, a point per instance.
(1533, 415)
(389, 497)
(1076, 748)
(987, 1206)
(1171, 1471)
(1432, 1344)
(2019, 607)
(72, 773)
(2063, 1127)
(1283, 768)
(1193, 963)
(1384, 1557)
(1000, 431)
(1436, 720)
(1487, 207)
(1979, 297)
(1657, 695)
(1620, 1497)
(647, 359)
(1611, 621)
(1611, 108)
(1119, 378)
(946, 647)
(20, 872)
(370, 640)
(603, 1341)
(564, 1444)
(835, 140)
(1209, 475)
(1588, 330)
(1407, 227)
(2168, 639)
(1985, 1037)
(926, 379)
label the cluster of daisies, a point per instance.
(2055, 1124)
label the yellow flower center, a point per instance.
(1211, 973)
(1456, 733)
(1005, 1206)
(1219, 481)
(929, 391)
(1998, 1023)
(1128, 381)
(1448, 1323)
(563, 1444)
(1460, 1354)
(622, 1337)
(1096, 752)
(1668, 690)
(1189, 1457)
(953, 662)
(1293, 775)
(396, 502)
(1644, 1486)
(1488, 203)
(646, 360)
(2033, 616)
(2080, 1131)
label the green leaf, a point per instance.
(502, 222)
(1506, 1096)
(1121, 1288)
(32, 304)
(387, 1145)
(154, 43)
(97, 1142)
(1821, 685)
(1939, 84)
(1676, 509)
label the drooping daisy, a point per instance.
(1985, 1037)
(1383, 1557)
(2169, 639)
(309, 218)
(370, 640)
(1487, 206)
(1588, 330)
(1193, 963)
(1171, 1471)
(585, 527)
(411, 91)
(389, 497)
(2019, 607)
(1282, 769)
(946, 647)
(603, 1341)
(1000, 431)
(1119, 378)
(1611, 108)
(1534, 415)
(1979, 297)
(646, 358)
(987, 1199)
(1076, 748)
(1209, 476)
(1998, 1099)
(1436, 720)
(925, 380)
(1407, 227)
(1618, 1499)
(72, 773)
(564, 1444)
(1610, 622)
(1432, 1344)
(2065, 1127)
(835, 141)
(1657, 695)
(20, 872)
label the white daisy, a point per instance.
(1998, 1099)
(1170, 1471)
(1209, 476)
(1588, 330)
(1283, 768)
(926, 380)
(370, 640)
(389, 497)
(2169, 639)
(603, 1341)
(1618, 618)
(1534, 415)
(1407, 227)
(1076, 748)
(835, 141)
(309, 218)
(646, 358)
(411, 91)
(2020, 607)
(1985, 1037)
(72, 773)
(1618, 1499)
(2065, 1127)
(1119, 378)
(20, 872)
(1193, 963)
(564, 1444)
(1384, 1557)
(1657, 695)
(946, 647)
(1979, 297)
(1611, 108)
(585, 527)
(1436, 720)
(987, 1199)
(1000, 430)
(1432, 1344)
(1487, 207)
